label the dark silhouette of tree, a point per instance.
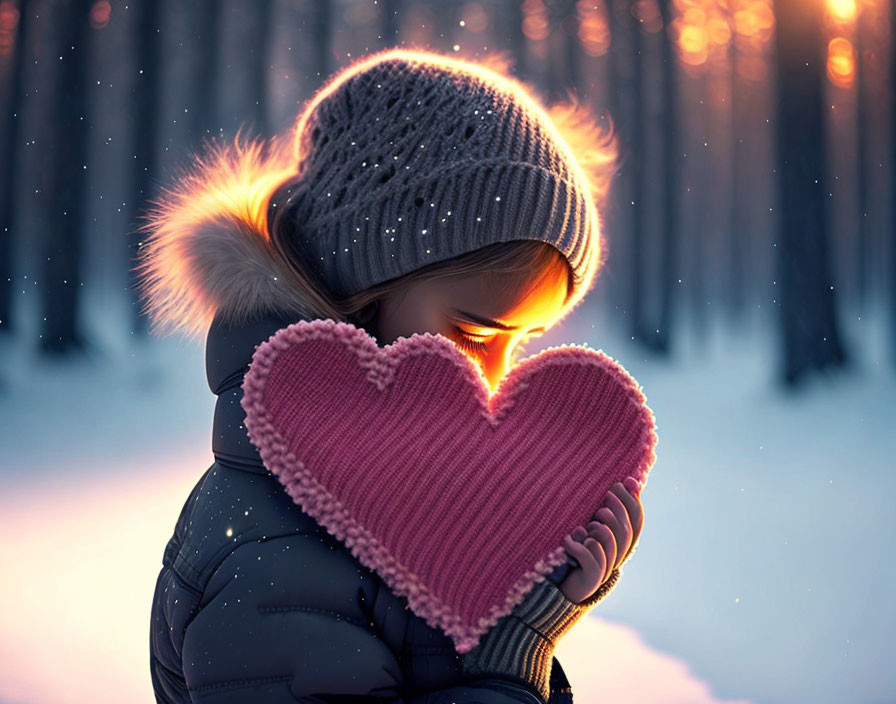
(390, 21)
(513, 12)
(206, 19)
(61, 263)
(893, 179)
(669, 236)
(738, 232)
(862, 186)
(323, 38)
(697, 249)
(446, 22)
(13, 102)
(619, 211)
(146, 109)
(257, 65)
(806, 295)
(566, 50)
(638, 250)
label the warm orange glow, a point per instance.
(703, 31)
(752, 68)
(648, 13)
(694, 16)
(718, 31)
(754, 19)
(535, 20)
(842, 10)
(594, 27)
(100, 14)
(9, 21)
(693, 42)
(474, 17)
(841, 62)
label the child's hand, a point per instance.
(608, 540)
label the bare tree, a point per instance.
(737, 225)
(638, 250)
(9, 152)
(146, 116)
(446, 21)
(60, 292)
(513, 10)
(566, 50)
(323, 38)
(862, 185)
(257, 64)
(669, 237)
(390, 22)
(619, 211)
(893, 180)
(206, 20)
(806, 296)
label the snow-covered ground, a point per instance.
(761, 575)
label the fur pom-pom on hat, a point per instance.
(206, 247)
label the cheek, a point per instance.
(405, 320)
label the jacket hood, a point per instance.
(206, 250)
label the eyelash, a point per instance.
(468, 343)
(472, 345)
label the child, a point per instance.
(423, 194)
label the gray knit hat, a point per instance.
(409, 158)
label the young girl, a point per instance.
(423, 193)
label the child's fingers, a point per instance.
(605, 537)
(621, 523)
(633, 507)
(606, 516)
(590, 555)
(579, 534)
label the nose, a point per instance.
(495, 363)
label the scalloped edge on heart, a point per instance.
(329, 512)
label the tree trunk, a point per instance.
(637, 251)
(257, 65)
(697, 249)
(893, 181)
(146, 116)
(738, 230)
(61, 262)
(390, 22)
(206, 17)
(323, 33)
(9, 156)
(565, 51)
(806, 296)
(514, 12)
(862, 126)
(669, 238)
(619, 213)
(446, 14)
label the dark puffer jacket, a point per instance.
(256, 602)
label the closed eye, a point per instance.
(469, 343)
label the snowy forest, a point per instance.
(750, 288)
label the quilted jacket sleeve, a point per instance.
(272, 627)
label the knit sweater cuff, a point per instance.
(521, 645)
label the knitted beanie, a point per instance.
(409, 158)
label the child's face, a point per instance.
(467, 310)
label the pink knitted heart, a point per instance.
(459, 500)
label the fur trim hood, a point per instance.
(205, 248)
